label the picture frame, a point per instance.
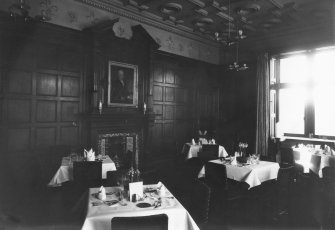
(122, 84)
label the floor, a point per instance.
(25, 207)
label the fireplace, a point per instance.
(121, 147)
(120, 136)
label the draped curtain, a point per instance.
(263, 104)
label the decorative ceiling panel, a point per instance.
(211, 19)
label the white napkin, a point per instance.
(102, 193)
(89, 155)
(213, 141)
(203, 140)
(193, 141)
(234, 161)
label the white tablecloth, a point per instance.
(317, 162)
(99, 217)
(65, 171)
(253, 175)
(193, 150)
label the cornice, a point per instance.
(135, 15)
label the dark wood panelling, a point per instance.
(18, 110)
(45, 137)
(158, 133)
(70, 86)
(19, 82)
(70, 61)
(46, 84)
(158, 110)
(18, 139)
(158, 73)
(168, 131)
(158, 93)
(171, 104)
(1, 76)
(47, 57)
(37, 88)
(169, 112)
(69, 135)
(19, 59)
(169, 76)
(180, 95)
(180, 112)
(69, 110)
(169, 94)
(46, 111)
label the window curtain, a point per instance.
(263, 105)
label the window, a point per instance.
(303, 94)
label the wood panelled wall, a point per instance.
(42, 89)
(181, 91)
(171, 102)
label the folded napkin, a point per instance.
(102, 193)
(193, 141)
(234, 161)
(89, 155)
(203, 140)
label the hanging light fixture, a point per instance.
(236, 65)
(20, 9)
(229, 40)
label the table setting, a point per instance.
(65, 171)
(106, 203)
(250, 170)
(191, 149)
(314, 158)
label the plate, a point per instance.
(143, 205)
(150, 189)
(111, 203)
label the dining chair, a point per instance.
(193, 166)
(111, 179)
(209, 152)
(284, 188)
(152, 222)
(87, 174)
(200, 201)
(224, 195)
(329, 184)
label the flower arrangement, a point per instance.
(242, 148)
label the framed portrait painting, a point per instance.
(122, 84)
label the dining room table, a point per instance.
(154, 202)
(316, 163)
(253, 174)
(191, 150)
(65, 171)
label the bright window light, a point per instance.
(324, 67)
(294, 69)
(291, 110)
(308, 93)
(324, 110)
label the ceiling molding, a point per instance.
(141, 17)
(276, 4)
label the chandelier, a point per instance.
(21, 9)
(236, 65)
(229, 40)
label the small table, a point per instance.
(253, 174)
(99, 217)
(192, 150)
(65, 171)
(317, 163)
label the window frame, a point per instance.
(276, 86)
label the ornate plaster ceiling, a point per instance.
(204, 18)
